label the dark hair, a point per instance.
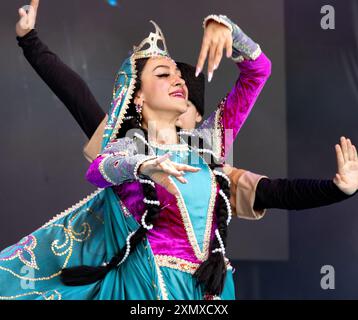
(212, 272)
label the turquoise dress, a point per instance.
(84, 234)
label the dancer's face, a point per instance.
(189, 118)
(163, 92)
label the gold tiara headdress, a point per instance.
(152, 40)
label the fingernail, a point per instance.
(198, 70)
(210, 76)
(215, 67)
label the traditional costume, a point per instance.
(94, 230)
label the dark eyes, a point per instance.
(165, 75)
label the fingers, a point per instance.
(344, 147)
(169, 169)
(350, 150)
(162, 158)
(337, 179)
(32, 15)
(228, 47)
(211, 62)
(218, 54)
(185, 167)
(35, 4)
(355, 153)
(202, 56)
(340, 158)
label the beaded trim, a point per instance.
(228, 206)
(256, 54)
(186, 133)
(73, 208)
(222, 247)
(102, 171)
(146, 226)
(128, 248)
(147, 182)
(219, 19)
(139, 163)
(171, 147)
(221, 174)
(153, 202)
(125, 105)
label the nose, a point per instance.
(178, 81)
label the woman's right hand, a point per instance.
(161, 168)
(27, 20)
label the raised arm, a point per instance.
(66, 84)
(223, 125)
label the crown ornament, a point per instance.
(149, 47)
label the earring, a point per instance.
(139, 108)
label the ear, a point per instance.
(198, 117)
(138, 100)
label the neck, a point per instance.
(162, 132)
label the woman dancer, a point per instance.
(124, 85)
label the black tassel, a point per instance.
(82, 275)
(212, 273)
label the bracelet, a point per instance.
(219, 19)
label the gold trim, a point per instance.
(51, 297)
(73, 208)
(162, 286)
(180, 264)
(218, 145)
(128, 97)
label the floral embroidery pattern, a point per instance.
(22, 250)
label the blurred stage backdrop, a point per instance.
(310, 100)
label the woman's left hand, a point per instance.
(347, 160)
(217, 37)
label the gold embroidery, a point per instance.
(163, 289)
(180, 264)
(64, 249)
(52, 295)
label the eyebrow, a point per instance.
(164, 66)
(161, 66)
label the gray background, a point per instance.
(291, 131)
